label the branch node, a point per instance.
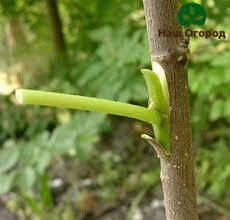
(161, 58)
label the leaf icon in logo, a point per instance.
(198, 18)
(191, 13)
(186, 17)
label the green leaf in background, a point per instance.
(113, 62)
(8, 158)
(213, 169)
(25, 180)
(32, 151)
(217, 110)
(62, 139)
(6, 181)
(78, 136)
(44, 161)
(87, 127)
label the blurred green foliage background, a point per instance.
(63, 164)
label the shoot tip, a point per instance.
(19, 96)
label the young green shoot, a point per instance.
(34, 97)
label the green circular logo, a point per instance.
(191, 13)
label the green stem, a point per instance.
(34, 97)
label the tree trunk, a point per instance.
(58, 36)
(177, 173)
(14, 33)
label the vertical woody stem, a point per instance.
(177, 174)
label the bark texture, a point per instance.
(177, 173)
(58, 36)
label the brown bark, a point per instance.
(177, 174)
(14, 33)
(56, 22)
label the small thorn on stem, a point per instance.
(157, 147)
